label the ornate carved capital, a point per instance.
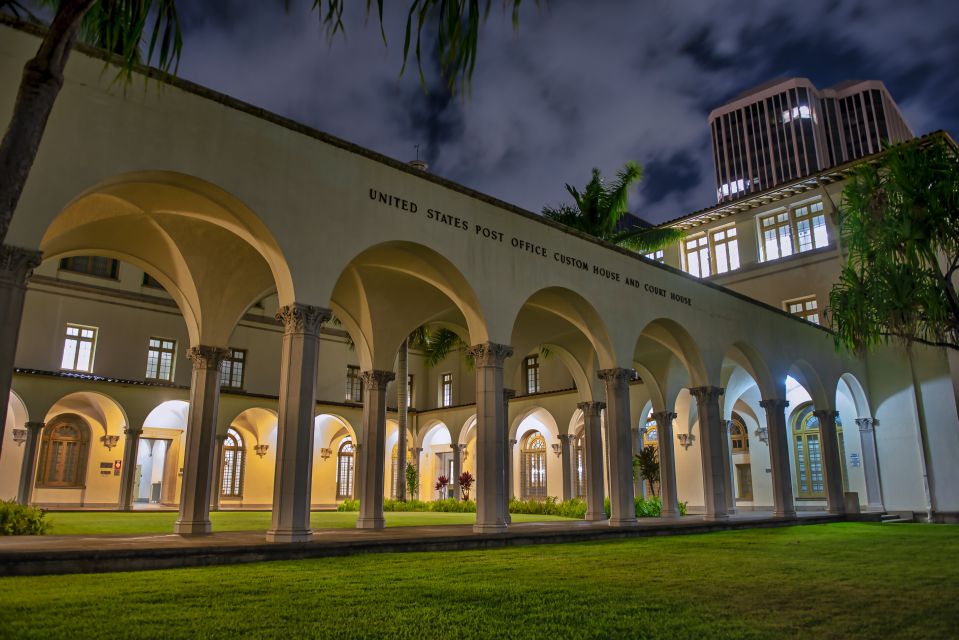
(303, 318)
(703, 394)
(774, 404)
(616, 377)
(511, 442)
(565, 438)
(376, 379)
(592, 409)
(36, 427)
(866, 424)
(416, 451)
(508, 394)
(206, 357)
(663, 417)
(16, 264)
(824, 415)
(490, 354)
(458, 448)
(132, 432)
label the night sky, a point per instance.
(576, 86)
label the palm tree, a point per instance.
(600, 208)
(150, 28)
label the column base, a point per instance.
(731, 512)
(508, 519)
(784, 514)
(624, 522)
(299, 535)
(489, 528)
(370, 523)
(595, 517)
(193, 528)
(670, 515)
(716, 517)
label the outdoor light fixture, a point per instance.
(763, 434)
(261, 449)
(558, 449)
(685, 440)
(109, 441)
(325, 453)
(19, 436)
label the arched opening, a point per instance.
(330, 432)
(537, 464)
(159, 455)
(63, 453)
(345, 465)
(533, 467)
(234, 460)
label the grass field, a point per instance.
(822, 581)
(138, 522)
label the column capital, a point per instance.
(490, 354)
(593, 407)
(826, 414)
(221, 437)
(303, 318)
(206, 357)
(616, 375)
(458, 448)
(663, 417)
(866, 424)
(565, 438)
(774, 404)
(416, 451)
(16, 264)
(512, 442)
(509, 394)
(132, 431)
(34, 426)
(703, 394)
(376, 379)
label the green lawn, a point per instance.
(139, 522)
(823, 581)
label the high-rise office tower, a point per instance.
(786, 129)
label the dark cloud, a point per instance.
(576, 86)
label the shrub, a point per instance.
(409, 505)
(574, 508)
(647, 508)
(452, 505)
(412, 480)
(348, 505)
(19, 520)
(465, 481)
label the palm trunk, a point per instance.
(39, 86)
(402, 402)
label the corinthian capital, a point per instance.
(206, 357)
(490, 354)
(866, 424)
(703, 394)
(16, 264)
(303, 318)
(774, 404)
(591, 408)
(663, 418)
(616, 377)
(376, 379)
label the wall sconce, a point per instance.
(261, 449)
(325, 453)
(19, 436)
(685, 440)
(109, 441)
(763, 434)
(557, 449)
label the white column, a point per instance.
(16, 265)
(667, 463)
(711, 442)
(28, 468)
(490, 437)
(128, 472)
(730, 468)
(293, 474)
(508, 394)
(831, 460)
(566, 457)
(198, 462)
(870, 461)
(618, 437)
(373, 452)
(778, 437)
(592, 414)
(457, 470)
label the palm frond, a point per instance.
(648, 240)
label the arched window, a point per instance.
(738, 436)
(533, 467)
(809, 469)
(651, 435)
(579, 451)
(233, 458)
(63, 453)
(344, 470)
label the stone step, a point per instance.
(892, 518)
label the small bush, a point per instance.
(647, 508)
(574, 508)
(18, 520)
(348, 505)
(409, 505)
(452, 505)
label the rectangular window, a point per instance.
(655, 255)
(92, 266)
(161, 354)
(802, 228)
(532, 374)
(234, 365)
(78, 348)
(354, 386)
(446, 390)
(726, 249)
(806, 308)
(697, 256)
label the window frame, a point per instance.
(345, 454)
(233, 458)
(531, 371)
(80, 454)
(228, 367)
(813, 210)
(161, 350)
(446, 389)
(806, 313)
(354, 384)
(79, 339)
(533, 467)
(66, 264)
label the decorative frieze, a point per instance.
(303, 318)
